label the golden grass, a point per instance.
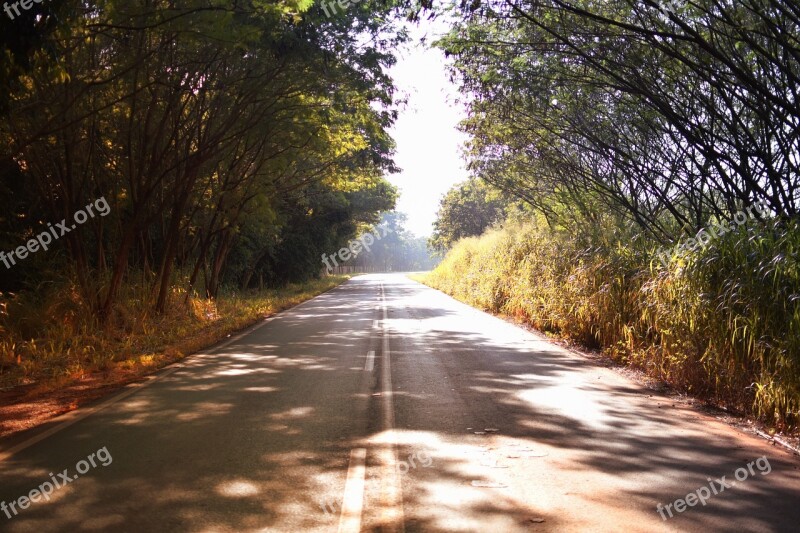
(419, 276)
(723, 323)
(47, 340)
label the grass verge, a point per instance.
(51, 356)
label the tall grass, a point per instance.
(722, 322)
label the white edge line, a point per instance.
(77, 415)
(353, 502)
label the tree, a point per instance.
(670, 119)
(222, 135)
(27, 42)
(466, 210)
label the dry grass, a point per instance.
(49, 340)
(723, 323)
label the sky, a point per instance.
(428, 143)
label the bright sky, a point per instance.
(428, 144)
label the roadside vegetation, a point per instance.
(720, 323)
(616, 131)
(55, 340)
(234, 143)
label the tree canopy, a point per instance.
(668, 115)
(234, 141)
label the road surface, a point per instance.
(384, 405)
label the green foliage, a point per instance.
(467, 209)
(734, 309)
(321, 224)
(621, 126)
(613, 106)
(235, 141)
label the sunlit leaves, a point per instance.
(222, 129)
(671, 118)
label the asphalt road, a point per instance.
(384, 405)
